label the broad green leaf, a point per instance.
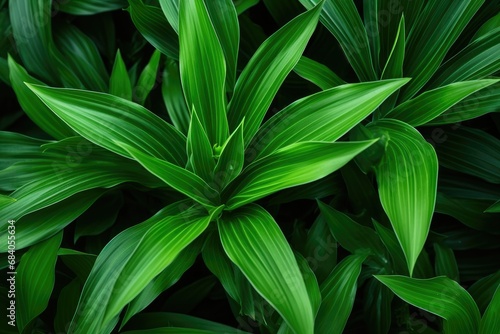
(329, 114)
(478, 60)
(89, 7)
(343, 21)
(173, 97)
(352, 236)
(153, 25)
(407, 184)
(490, 323)
(66, 305)
(225, 22)
(32, 32)
(483, 290)
(17, 147)
(168, 277)
(440, 296)
(97, 300)
(290, 166)
(446, 263)
(435, 30)
(164, 319)
(35, 280)
(6, 200)
(338, 292)
(177, 177)
(248, 236)
(47, 222)
(203, 69)
(119, 81)
(199, 150)
(471, 151)
(171, 10)
(32, 106)
(231, 159)
(79, 53)
(431, 104)
(106, 119)
(317, 73)
(147, 79)
(267, 69)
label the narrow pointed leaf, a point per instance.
(119, 82)
(441, 296)
(104, 119)
(446, 263)
(494, 208)
(491, 321)
(338, 292)
(329, 114)
(153, 25)
(199, 149)
(35, 280)
(248, 235)
(394, 66)
(492, 24)
(431, 104)
(343, 21)
(263, 75)
(171, 10)
(173, 96)
(203, 69)
(317, 73)
(231, 158)
(291, 166)
(147, 79)
(407, 181)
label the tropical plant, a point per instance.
(118, 182)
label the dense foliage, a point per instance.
(273, 166)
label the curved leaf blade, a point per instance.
(119, 81)
(317, 73)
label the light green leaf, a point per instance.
(441, 296)
(151, 23)
(490, 323)
(89, 7)
(203, 69)
(147, 79)
(248, 236)
(329, 114)
(407, 184)
(431, 104)
(35, 280)
(199, 150)
(267, 69)
(231, 159)
(310, 281)
(171, 10)
(394, 66)
(32, 106)
(435, 30)
(293, 165)
(105, 119)
(173, 96)
(317, 73)
(446, 263)
(338, 292)
(119, 82)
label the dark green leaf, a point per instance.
(491, 321)
(446, 264)
(147, 79)
(317, 73)
(173, 97)
(89, 7)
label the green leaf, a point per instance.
(338, 292)
(32, 106)
(146, 250)
(490, 25)
(151, 23)
(119, 82)
(225, 22)
(231, 159)
(471, 151)
(89, 7)
(329, 114)
(243, 5)
(317, 73)
(267, 69)
(80, 263)
(310, 281)
(290, 166)
(106, 119)
(199, 149)
(446, 263)
(352, 236)
(66, 305)
(431, 104)
(388, 237)
(147, 79)
(344, 22)
(494, 208)
(441, 296)
(171, 330)
(478, 60)
(248, 236)
(377, 308)
(203, 69)
(394, 66)
(17, 147)
(177, 177)
(435, 30)
(490, 321)
(35, 280)
(171, 10)
(407, 183)
(173, 97)
(483, 290)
